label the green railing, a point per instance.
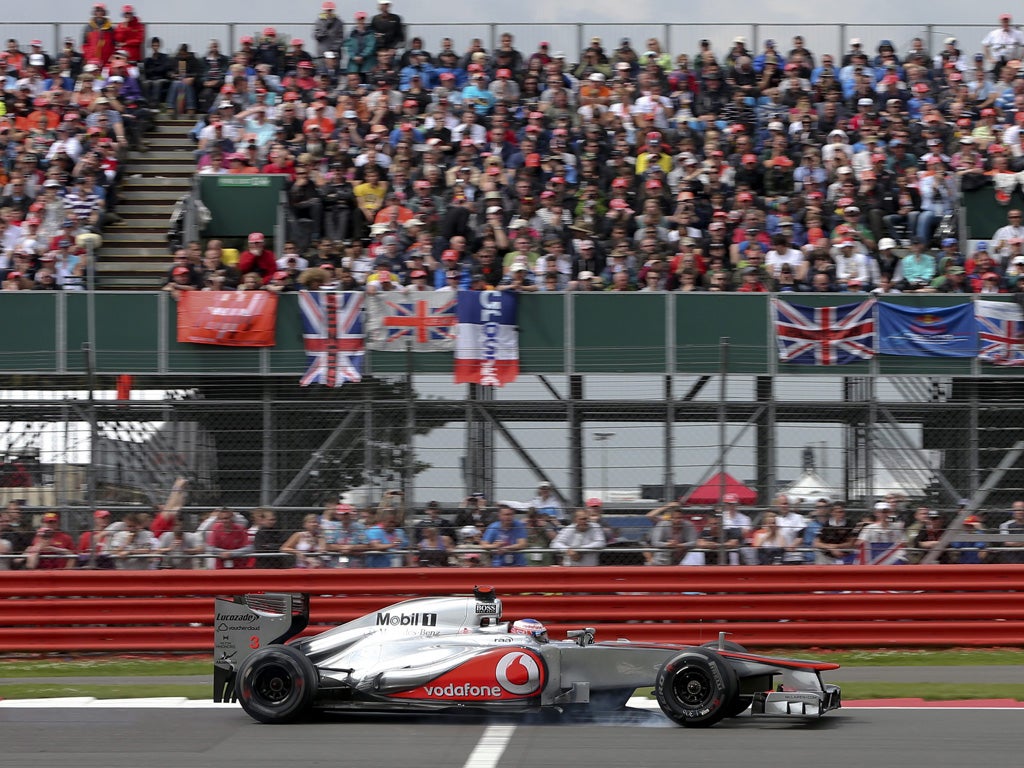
(660, 333)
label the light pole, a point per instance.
(603, 438)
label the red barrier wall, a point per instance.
(761, 606)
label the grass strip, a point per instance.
(53, 690)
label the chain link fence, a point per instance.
(630, 443)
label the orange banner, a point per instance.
(227, 318)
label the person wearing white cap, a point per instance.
(546, 502)
(884, 536)
(388, 27)
(856, 48)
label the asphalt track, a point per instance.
(227, 738)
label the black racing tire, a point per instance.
(741, 703)
(277, 684)
(696, 688)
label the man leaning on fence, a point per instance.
(673, 538)
(580, 543)
(505, 539)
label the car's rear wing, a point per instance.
(245, 623)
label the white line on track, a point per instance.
(491, 746)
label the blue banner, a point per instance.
(928, 331)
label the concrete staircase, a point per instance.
(134, 254)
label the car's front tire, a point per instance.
(741, 703)
(276, 684)
(696, 688)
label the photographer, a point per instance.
(392, 503)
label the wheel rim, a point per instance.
(272, 684)
(693, 687)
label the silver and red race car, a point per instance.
(447, 654)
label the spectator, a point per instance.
(720, 541)
(92, 543)
(505, 539)
(307, 546)
(257, 258)
(387, 544)
(98, 37)
(1013, 526)
(130, 545)
(580, 542)
(775, 544)
(673, 538)
(178, 548)
(130, 35)
(268, 540)
(834, 544)
(228, 541)
(432, 549)
(157, 70)
(388, 27)
(52, 548)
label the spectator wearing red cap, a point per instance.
(130, 34)
(361, 46)
(297, 58)
(329, 30)
(52, 548)
(98, 40)
(270, 51)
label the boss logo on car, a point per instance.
(487, 609)
(407, 619)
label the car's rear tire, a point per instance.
(741, 703)
(696, 688)
(276, 684)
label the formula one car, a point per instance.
(456, 654)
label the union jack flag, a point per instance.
(825, 335)
(332, 333)
(426, 320)
(1000, 328)
(880, 553)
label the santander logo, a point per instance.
(518, 673)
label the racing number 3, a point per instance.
(254, 642)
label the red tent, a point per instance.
(712, 491)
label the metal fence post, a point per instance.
(723, 442)
(267, 461)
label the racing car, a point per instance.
(443, 654)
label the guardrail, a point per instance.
(772, 606)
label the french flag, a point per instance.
(487, 338)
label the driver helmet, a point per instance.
(531, 627)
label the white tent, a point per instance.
(808, 488)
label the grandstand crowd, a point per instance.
(636, 168)
(540, 532)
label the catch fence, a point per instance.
(632, 441)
